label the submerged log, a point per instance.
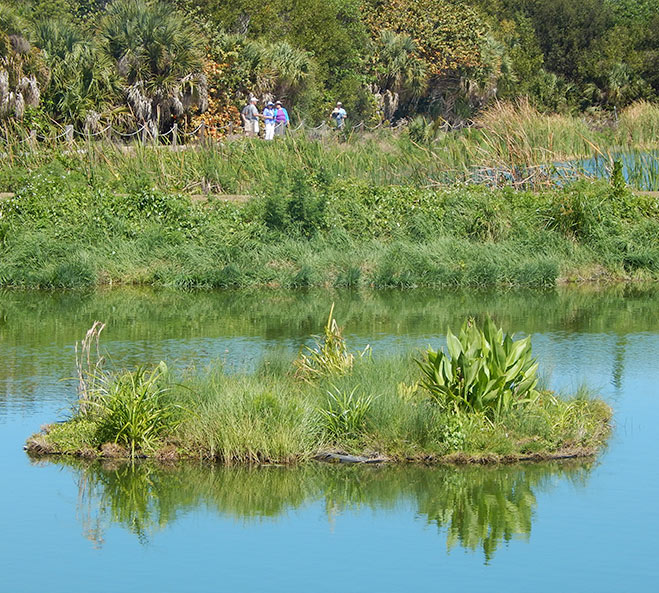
(344, 458)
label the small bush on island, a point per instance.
(377, 408)
(482, 372)
(329, 357)
(133, 410)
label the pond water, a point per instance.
(72, 526)
(640, 169)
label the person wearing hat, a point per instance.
(269, 120)
(339, 115)
(250, 116)
(281, 119)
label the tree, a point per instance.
(159, 58)
(23, 73)
(331, 33)
(84, 85)
(450, 40)
(278, 69)
(401, 75)
(449, 35)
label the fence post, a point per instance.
(175, 135)
(68, 133)
(202, 133)
(32, 139)
(154, 135)
(144, 133)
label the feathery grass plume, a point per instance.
(89, 371)
(130, 408)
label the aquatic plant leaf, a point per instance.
(453, 344)
(480, 375)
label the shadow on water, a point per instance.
(472, 507)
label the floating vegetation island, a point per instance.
(478, 402)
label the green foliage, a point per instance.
(23, 73)
(137, 61)
(240, 416)
(378, 211)
(449, 36)
(618, 185)
(330, 356)
(159, 57)
(295, 207)
(134, 409)
(345, 415)
(484, 371)
(84, 83)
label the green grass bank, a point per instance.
(64, 227)
(483, 206)
(481, 403)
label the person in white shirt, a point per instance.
(250, 116)
(339, 115)
(269, 120)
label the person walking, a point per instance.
(269, 120)
(339, 115)
(281, 119)
(250, 116)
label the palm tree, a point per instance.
(84, 86)
(23, 73)
(400, 68)
(279, 69)
(159, 58)
(401, 74)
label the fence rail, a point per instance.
(175, 135)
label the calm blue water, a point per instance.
(594, 529)
(639, 169)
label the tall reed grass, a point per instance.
(508, 143)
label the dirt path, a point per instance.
(235, 198)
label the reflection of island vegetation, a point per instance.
(136, 314)
(477, 507)
(142, 323)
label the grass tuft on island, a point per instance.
(477, 403)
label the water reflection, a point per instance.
(38, 330)
(472, 507)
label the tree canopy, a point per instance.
(150, 62)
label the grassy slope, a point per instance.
(63, 230)
(320, 212)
